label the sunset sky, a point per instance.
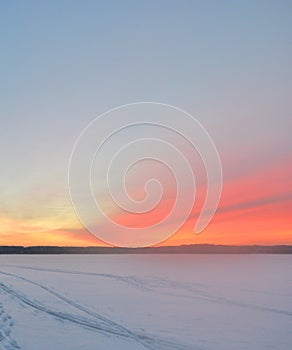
(63, 63)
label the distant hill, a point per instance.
(183, 249)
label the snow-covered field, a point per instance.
(167, 302)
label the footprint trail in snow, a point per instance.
(6, 340)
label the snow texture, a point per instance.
(6, 340)
(156, 302)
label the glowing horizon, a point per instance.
(227, 66)
(251, 212)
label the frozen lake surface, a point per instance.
(125, 302)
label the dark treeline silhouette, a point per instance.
(183, 249)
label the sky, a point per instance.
(63, 63)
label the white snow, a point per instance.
(125, 302)
(6, 340)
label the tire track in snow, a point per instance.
(126, 279)
(152, 287)
(218, 299)
(6, 340)
(107, 322)
(100, 323)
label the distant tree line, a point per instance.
(184, 249)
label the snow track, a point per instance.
(152, 303)
(6, 340)
(92, 320)
(159, 286)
